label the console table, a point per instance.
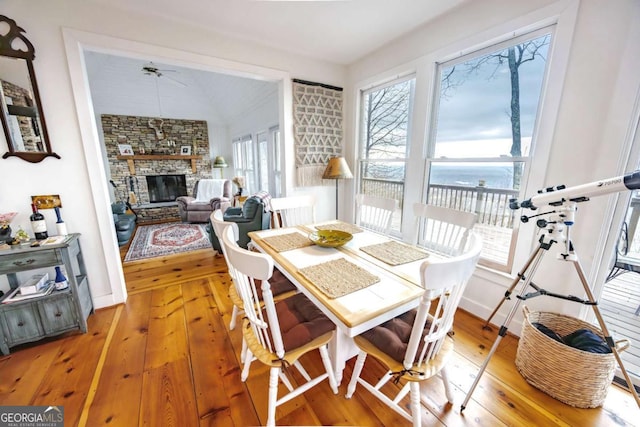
(60, 311)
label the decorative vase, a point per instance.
(61, 227)
(60, 280)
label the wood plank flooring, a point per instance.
(168, 358)
(618, 304)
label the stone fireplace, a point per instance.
(153, 157)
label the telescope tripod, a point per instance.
(555, 231)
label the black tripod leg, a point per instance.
(508, 292)
(603, 328)
(534, 262)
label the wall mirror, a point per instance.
(20, 108)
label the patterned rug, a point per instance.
(166, 239)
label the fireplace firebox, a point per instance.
(166, 188)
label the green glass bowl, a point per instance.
(330, 238)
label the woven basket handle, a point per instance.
(622, 345)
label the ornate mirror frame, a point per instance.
(8, 49)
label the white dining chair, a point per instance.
(416, 346)
(281, 286)
(278, 333)
(375, 213)
(442, 230)
(293, 210)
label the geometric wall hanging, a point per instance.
(317, 129)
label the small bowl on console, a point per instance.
(330, 238)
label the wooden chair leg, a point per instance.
(273, 396)
(234, 316)
(416, 408)
(447, 385)
(357, 369)
(324, 354)
(248, 358)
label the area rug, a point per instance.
(166, 239)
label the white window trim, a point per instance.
(511, 40)
(561, 14)
(362, 93)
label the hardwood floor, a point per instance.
(167, 358)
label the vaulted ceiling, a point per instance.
(119, 85)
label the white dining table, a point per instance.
(397, 291)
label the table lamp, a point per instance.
(220, 163)
(337, 168)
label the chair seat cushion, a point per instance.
(280, 284)
(392, 337)
(301, 321)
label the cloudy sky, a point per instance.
(479, 107)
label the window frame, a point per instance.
(246, 152)
(360, 161)
(430, 141)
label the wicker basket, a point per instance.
(575, 377)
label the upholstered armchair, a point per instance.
(208, 195)
(125, 223)
(251, 216)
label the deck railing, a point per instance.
(490, 204)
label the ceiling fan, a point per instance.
(150, 69)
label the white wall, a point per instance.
(78, 177)
(590, 136)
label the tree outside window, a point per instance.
(385, 113)
(484, 134)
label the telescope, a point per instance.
(558, 196)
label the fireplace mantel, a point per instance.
(132, 158)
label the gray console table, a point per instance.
(60, 311)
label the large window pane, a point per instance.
(383, 149)
(486, 111)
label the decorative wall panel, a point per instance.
(317, 129)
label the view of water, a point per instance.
(494, 175)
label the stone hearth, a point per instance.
(154, 157)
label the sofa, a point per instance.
(251, 216)
(208, 195)
(125, 223)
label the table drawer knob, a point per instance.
(26, 262)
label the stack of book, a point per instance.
(38, 285)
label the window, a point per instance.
(243, 162)
(483, 135)
(259, 161)
(383, 148)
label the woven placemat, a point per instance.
(338, 277)
(394, 253)
(287, 242)
(341, 226)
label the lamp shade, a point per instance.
(220, 162)
(337, 168)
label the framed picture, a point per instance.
(125, 149)
(185, 150)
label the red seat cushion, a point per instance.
(301, 321)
